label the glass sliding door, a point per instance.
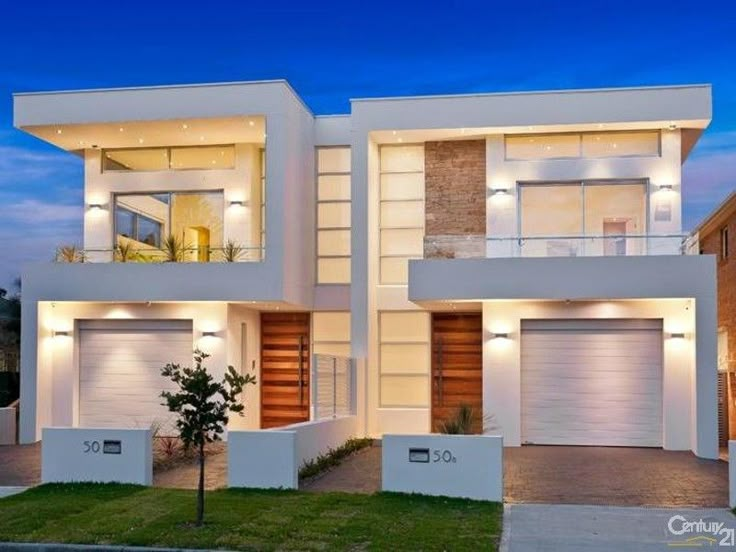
(568, 219)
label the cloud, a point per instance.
(33, 212)
(19, 166)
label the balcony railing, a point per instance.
(153, 255)
(477, 246)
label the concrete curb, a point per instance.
(52, 547)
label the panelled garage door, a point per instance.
(120, 365)
(591, 382)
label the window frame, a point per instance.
(169, 193)
(582, 184)
(581, 154)
(422, 200)
(168, 150)
(723, 235)
(319, 229)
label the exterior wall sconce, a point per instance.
(209, 334)
(499, 191)
(665, 187)
(96, 206)
(677, 335)
(237, 203)
(62, 333)
(499, 335)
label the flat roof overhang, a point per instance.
(563, 278)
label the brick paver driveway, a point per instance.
(613, 476)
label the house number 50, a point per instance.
(445, 456)
(91, 446)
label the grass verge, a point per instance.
(239, 519)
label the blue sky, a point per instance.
(332, 51)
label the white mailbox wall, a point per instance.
(476, 472)
(71, 455)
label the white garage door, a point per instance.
(591, 382)
(120, 370)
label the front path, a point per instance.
(541, 528)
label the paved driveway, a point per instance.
(613, 476)
(543, 527)
(20, 465)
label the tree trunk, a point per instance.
(200, 489)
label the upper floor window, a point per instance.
(589, 145)
(583, 218)
(401, 211)
(170, 158)
(183, 226)
(724, 243)
(333, 215)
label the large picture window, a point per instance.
(194, 220)
(576, 218)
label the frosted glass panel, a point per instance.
(333, 186)
(553, 210)
(331, 326)
(394, 270)
(333, 271)
(337, 349)
(621, 144)
(402, 214)
(402, 158)
(333, 160)
(404, 391)
(404, 326)
(402, 242)
(404, 358)
(543, 146)
(334, 215)
(402, 186)
(333, 242)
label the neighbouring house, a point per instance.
(711, 237)
(519, 253)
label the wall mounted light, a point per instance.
(96, 206)
(237, 203)
(209, 334)
(62, 333)
(665, 187)
(499, 335)
(677, 335)
(500, 191)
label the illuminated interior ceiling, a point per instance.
(141, 134)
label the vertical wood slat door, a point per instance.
(457, 366)
(284, 376)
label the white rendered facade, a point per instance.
(349, 199)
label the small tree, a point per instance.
(202, 406)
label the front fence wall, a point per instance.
(465, 466)
(72, 454)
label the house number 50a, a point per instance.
(445, 456)
(91, 447)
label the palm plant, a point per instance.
(467, 421)
(232, 252)
(124, 252)
(174, 249)
(69, 254)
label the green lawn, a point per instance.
(248, 519)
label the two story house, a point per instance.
(521, 254)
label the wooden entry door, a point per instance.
(285, 361)
(457, 366)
